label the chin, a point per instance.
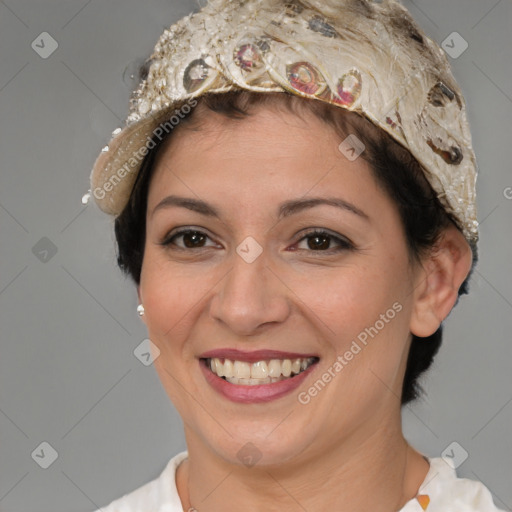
(266, 446)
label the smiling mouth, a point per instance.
(260, 372)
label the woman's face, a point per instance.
(252, 281)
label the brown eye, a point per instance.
(192, 239)
(321, 241)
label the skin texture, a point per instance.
(344, 450)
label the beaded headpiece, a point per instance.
(364, 56)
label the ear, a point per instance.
(438, 282)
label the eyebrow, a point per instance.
(285, 209)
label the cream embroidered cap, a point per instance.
(363, 56)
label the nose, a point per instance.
(250, 296)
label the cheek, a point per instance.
(350, 299)
(362, 313)
(169, 297)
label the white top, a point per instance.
(441, 491)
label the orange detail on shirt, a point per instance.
(423, 500)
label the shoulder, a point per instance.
(158, 495)
(443, 491)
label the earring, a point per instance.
(140, 309)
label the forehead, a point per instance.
(270, 126)
(270, 136)
(268, 157)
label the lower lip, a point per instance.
(256, 393)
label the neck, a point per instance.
(379, 472)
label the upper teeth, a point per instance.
(260, 369)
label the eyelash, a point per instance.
(344, 244)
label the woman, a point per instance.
(294, 199)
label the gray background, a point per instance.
(68, 375)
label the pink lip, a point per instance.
(252, 357)
(254, 394)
